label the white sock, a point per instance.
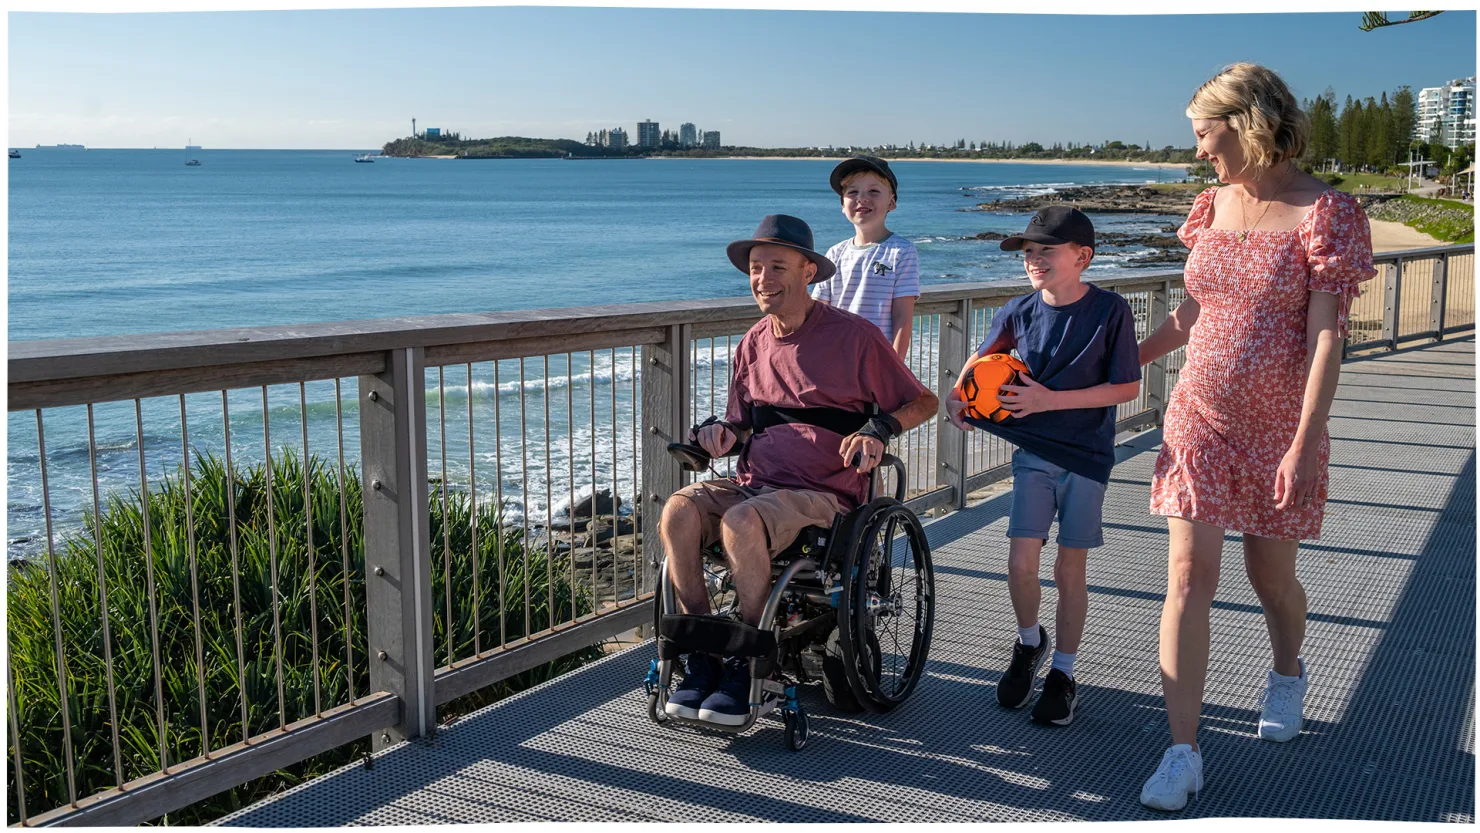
(1029, 635)
(1064, 662)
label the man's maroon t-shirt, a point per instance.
(834, 360)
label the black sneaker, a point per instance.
(1055, 705)
(1016, 686)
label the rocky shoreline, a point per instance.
(1166, 249)
(1101, 199)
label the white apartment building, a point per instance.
(1447, 113)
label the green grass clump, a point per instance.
(1351, 182)
(1446, 220)
(241, 697)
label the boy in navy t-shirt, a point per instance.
(1079, 343)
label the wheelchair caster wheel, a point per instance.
(655, 713)
(796, 729)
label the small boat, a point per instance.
(364, 157)
(194, 163)
(15, 154)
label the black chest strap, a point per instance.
(836, 420)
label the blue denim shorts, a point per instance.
(1041, 490)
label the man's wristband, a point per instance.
(883, 428)
(714, 420)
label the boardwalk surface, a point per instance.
(1391, 649)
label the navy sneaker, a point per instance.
(729, 705)
(700, 679)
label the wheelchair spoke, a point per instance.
(894, 598)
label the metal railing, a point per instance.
(1424, 294)
(261, 596)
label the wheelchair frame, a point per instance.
(820, 560)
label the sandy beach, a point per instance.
(1389, 236)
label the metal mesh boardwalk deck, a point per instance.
(1391, 649)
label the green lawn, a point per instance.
(1351, 183)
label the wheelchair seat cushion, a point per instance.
(683, 633)
(783, 513)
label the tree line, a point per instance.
(1375, 134)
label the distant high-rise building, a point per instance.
(1447, 114)
(647, 134)
(616, 138)
(711, 138)
(688, 134)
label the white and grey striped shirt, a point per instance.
(870, 277)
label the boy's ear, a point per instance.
(1090, 256)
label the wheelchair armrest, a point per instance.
(899, 478)
(887, 460)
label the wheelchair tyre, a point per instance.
(888, 605)
(835, 678)
(797, 729)
(655, 714)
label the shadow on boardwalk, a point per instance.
(1391, 646)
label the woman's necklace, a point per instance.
(1243, 234)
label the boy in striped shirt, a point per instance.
(878, 275)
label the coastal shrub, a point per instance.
(311, 586)
(1445, 220)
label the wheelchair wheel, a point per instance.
(887, 607)
(797, 729)
(835, 684)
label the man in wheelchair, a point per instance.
(815, 397)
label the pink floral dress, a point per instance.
(1236, 406)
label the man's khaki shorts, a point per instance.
(783, 512)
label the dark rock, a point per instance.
(1150, 241)
(1103, 199)
(602, 531)
(987, 235)
(1160, 258)
(603, 502)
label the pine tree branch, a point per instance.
(1377, 20)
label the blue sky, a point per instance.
(355, 78)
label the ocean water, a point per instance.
(108, 242)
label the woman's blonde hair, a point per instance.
(1270, 125)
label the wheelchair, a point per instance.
(852, 606)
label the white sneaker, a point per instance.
(1284, 702)
(1180, 772)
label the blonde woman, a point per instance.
(1276, 259)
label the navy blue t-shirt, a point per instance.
(1089, 342)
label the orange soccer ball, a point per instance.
(982, 383)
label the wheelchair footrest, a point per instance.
(685, 633)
